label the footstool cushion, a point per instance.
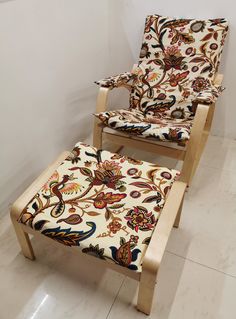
(104, 203)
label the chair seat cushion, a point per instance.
(137, 123)
(104, 203)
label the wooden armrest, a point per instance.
(103, 92)
(218, 79)
(102, 99)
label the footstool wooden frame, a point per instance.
(170, 216)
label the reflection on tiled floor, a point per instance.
(197, 277)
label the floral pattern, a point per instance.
(178, 61)
(137, 123)
(126, 254)
(138, 218)
(108, 210)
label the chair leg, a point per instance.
(178, 216)
(196, 143)
(204, 139)
(24, 240)
(199, 155)
(146, 291)
(190, 167)
(97, 134)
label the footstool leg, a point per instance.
(24, 240)
(146, 292)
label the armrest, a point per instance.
(210, 95)
(218, 79)
(101, 105)
(116, 81)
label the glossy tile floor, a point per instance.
(198, 274)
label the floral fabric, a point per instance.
(144, 125)
(209, 95)
(178, 61)
(116, 81)
(104, 203)
(179, 92)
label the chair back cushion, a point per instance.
(179, 59)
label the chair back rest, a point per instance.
(179, 59)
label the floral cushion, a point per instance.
(178, 61)
(104, 203)
(116, 81)
(201, 39)
(148, 125)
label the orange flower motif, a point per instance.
(200, 84)
(109, 166)
(152, 77)
(176, 78)
(102, 199)
(114, 226)
(172, 50)
(173, 58)
(186, 93)
(108, 173)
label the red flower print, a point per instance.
(134, 239)
(176, 78)
(108, 173)
(102, 199)
(139, 218)
(173, 58)
(172, 50)
(200, 84)
(114, 226)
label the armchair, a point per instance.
(173, 91)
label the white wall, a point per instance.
(51, 51)
(126, 24)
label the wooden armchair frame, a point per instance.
(170, 216)
(189, 154)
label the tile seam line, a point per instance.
(217, 168)
(115, 298)
(198, 263)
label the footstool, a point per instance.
(116, 208)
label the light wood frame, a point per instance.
(190, 153)
(170, 216)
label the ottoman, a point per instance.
(116, 208)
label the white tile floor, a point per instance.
(197, 278)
